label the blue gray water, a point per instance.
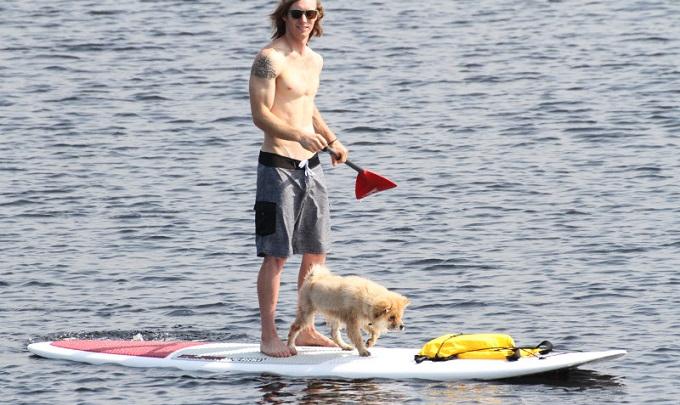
(535, 144)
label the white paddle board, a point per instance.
(390, 363)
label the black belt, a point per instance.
(274, 160)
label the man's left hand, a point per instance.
(339, 154)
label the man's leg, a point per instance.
(268, 282)
(310, 336)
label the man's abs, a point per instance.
(298, 114)
(282, 147)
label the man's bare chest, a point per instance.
(298, 80)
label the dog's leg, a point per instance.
(292, 334)
(354, 333)
(375, 334)
(336, 336)
(302, 320)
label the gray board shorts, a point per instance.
(292, 214)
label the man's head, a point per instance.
(302, 16)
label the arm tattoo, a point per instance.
(262, 67)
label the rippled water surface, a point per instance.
(535, 144)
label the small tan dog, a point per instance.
(354, 301)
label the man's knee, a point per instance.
(273, 263)
(309, 260)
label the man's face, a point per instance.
(301, 27)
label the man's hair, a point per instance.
(279, 26)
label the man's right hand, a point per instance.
(313, 142)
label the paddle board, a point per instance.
(390, 363)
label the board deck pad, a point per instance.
(125, 347)
(392, 363)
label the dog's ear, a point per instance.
(381, 308)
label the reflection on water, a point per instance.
(573, 378)
(279, 390)
(466, 392)
(328, 391)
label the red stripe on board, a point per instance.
(126, 347)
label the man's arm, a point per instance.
(266, 68)
(320, 126)
(262, 90)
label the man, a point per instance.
(291, 209)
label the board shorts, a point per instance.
(292, 213)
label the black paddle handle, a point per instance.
(347, 162)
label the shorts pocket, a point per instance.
(265, 218)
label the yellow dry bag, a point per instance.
(488, 346)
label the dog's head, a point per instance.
(388, 313)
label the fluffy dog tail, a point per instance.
(317, 270)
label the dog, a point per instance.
(356, 302)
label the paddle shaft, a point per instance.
(347, 162)
(353, 166)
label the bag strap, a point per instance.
(420, 358)
(544, 347)
(436, 356)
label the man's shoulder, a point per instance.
(277, 53)
(315, 55)
(269, 62)
(271, 51)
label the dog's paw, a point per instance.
(364, 353)
(370, 343)
(347, 347)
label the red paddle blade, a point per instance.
(370, 183)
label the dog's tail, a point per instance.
(317, 270)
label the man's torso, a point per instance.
(296, 87)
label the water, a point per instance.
(535, 145)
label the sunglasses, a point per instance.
(310, 14)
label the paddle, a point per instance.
(367, 182)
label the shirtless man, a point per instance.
(291, 208)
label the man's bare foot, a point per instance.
(311, 337)
(275, 348)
